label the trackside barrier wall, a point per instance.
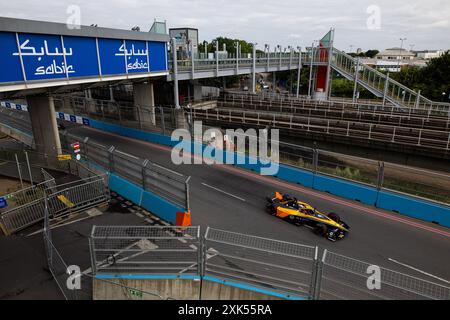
(184, 264)
(151, 202)
(152, 187)
(403, 204)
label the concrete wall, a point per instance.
(106, 287)
(43, 123)
(17, 134)
(114, 289)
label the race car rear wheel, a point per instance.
(334, 216)
(320, 229)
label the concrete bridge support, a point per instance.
(144, 100)
(44, 125)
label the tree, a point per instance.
(229, 43)
(432, 80)
(371, 53)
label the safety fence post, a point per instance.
(111, 158)
(314, 271)
(186, 190)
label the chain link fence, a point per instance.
(159, 119)
(271, 264)
(80, 286)
(152, 177)
(27, 205)
(277, 266)
(145, 250)
(343, 277)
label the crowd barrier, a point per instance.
(391, 201)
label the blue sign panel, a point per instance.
(137, 56)
(10, 68)
(112, 56)
(29, 57)
(43, 56)
(83, 60)
(3, 203)
(157, 56)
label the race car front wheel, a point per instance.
(320, 229)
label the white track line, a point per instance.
(217, 189)
(418, 270)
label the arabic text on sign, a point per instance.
(31, 51)
(123, 51)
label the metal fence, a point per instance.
(347, 278)
(160, 119)
(145, 250)
(277, 266)
(28, 204)
(152, 177)
(263, 262)
(437, 141)
(59, 269)
(417, 182)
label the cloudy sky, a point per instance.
(360, 23)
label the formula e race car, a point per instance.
(301, 213)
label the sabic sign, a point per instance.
(26, 57)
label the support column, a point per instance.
(144, 99)
(330, 56)
(111, 93)
(43, 122)
(299, 71)
(175, 74)
(254, 68)
(355, 87)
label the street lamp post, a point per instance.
(254, 68)
(175, 74)
(267, 47)
(217, 57)
(205, 43)
(299, 70)
(236, 45)
(401, 51)
(279, 48)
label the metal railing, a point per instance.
(59, 269)
(381, 84)
(339, 110)
(263, 262)
(60, 200)
(289, 269)
(432, 139)
(287, 100)
(152, 177)
(145, 250)
(160, 119)
(29, 194)
(373, 80)
(343, 277)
